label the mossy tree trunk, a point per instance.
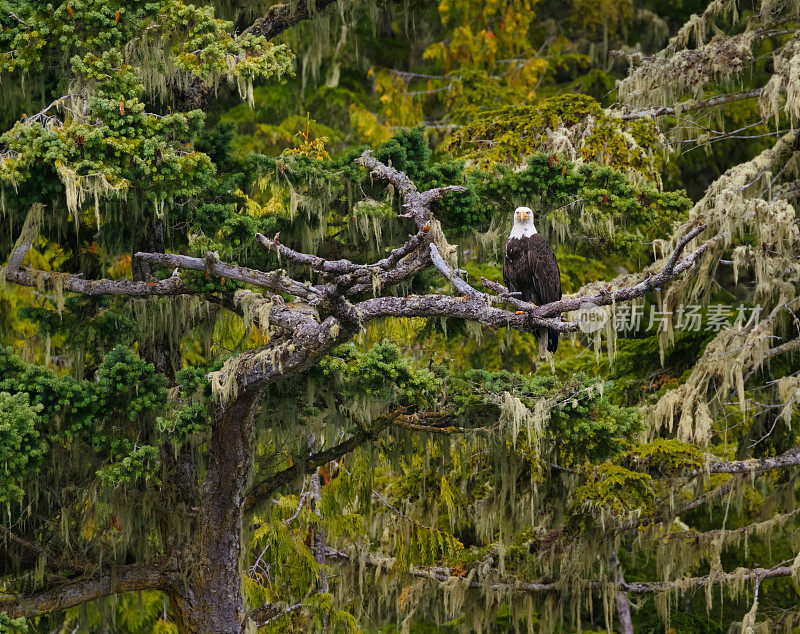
(210, 598)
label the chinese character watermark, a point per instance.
(631, 318)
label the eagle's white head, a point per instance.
(523, 223)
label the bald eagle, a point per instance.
(530, 268)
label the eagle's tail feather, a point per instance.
(552, 340)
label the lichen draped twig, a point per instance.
(253, 370)
(445, 575)
(689, 106)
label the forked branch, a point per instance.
(309, 337)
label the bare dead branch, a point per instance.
(505, 295)
(275, 280)
(73, 284)
(461, 285)
(321, 265)
(396, 274)
(350, 278)
(417, 204)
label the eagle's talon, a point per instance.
(520, 312)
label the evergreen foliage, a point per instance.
(226, 404)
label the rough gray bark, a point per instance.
(211, 598)
(110, 580)
(282, 16)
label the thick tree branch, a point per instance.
(275, 280)
(283, 16)
(24, 276)
(112, 580)
(458, 307)
(253, 370)
(73, 284)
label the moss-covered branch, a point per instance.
(275, 280)
(111, 580)
(57, 560)
(283, 16)
(445, 575)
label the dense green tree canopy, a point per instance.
(258, 371)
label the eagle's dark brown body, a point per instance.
(530, 267)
